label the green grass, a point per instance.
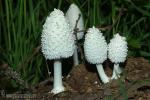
(21, 24)
(21, 29)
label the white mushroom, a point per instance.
(95, 48)
(117, 53)
(72, 15)
(57, 43)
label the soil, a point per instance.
(83, 83)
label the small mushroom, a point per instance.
(72, 16)
(95, 48)
(57, 43)
(117, 53)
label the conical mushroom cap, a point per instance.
(117, 49)
(72, 16)
(57, 41)
(95, 46)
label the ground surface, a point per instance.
(83, 83)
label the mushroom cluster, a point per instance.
(95, 48)
(58, 42)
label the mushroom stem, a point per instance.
(58, 85)
(116, 71)
(102, 74)
(75, 57)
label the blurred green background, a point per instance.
(21, 25)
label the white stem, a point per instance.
(116, 71)
(75, 57)
(102, 74)
(57, 85)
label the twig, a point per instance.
(35, 51)
(30, 57)
(49, 73)
(77, 43)
(46, 81)
(108, 27)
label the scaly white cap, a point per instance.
(57, 41)
(117, 49)
(95, 46)
(72, 16)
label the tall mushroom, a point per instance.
(72, 15)
(117, 53)
(57, 43)
(95, 48)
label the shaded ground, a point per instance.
(83, 83)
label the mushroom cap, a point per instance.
(72, 16)
(56, 39)
(95, 46)
(117, 49)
